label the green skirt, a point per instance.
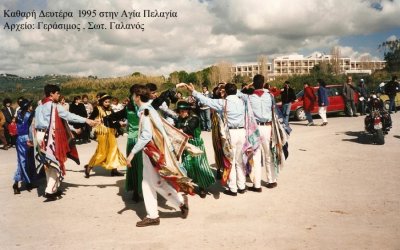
(134, 174)
(197, 167)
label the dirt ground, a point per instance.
(337, 191)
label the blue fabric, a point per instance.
(322, 96)
(262, 106)
(43, 113)
(286, 111)
(26, 164)
(234, 108)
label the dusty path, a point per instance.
(336, 192)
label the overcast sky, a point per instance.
(203, 33)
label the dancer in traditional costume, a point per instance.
(26, 170)
(53, 137)
(233, 134)
(261, 104)
(159, 162)
(217, 124)
(107, 154)
(197, 167)
(134, 175)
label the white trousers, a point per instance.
(263, 158)
(322, 113)
(237, 177)
(52, 175)
(53, 180)
(152, 184)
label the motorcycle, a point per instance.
(378, 121)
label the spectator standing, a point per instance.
(2, 137)
(205, 114)
(64, 103)
(87, 104)
(8, 113)
(363, 96)
(348, 94)
(391, 89)
(116, 105)
(19, 105)
(309, 100)
(78, 108)
(12, 130)
(323, 101)
(287, 96)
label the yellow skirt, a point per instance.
(107, 154)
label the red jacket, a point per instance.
(12, 128)
(309, 99)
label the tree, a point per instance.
(174, 77)
(391, 51)
(192, 78)
(183, 76)
(263, 64)
(238, 79)
(335, 60)
(224, 71)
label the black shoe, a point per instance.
(254, 189)
(87, 171)
(229, 192)
(271, 185)
(30, 186)
(241, 191)
(50, 197)
(184, 207)
(136, 197)
(148, 222)
(115, 172)
(16, 188)
(202, 193)
(219, 176)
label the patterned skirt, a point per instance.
(197, 167)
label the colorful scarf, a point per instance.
(58, 143)
(279, 142)
(216, 139)
(253, 138)
(226, 146)
(163, 155)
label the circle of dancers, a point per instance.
(165, 152)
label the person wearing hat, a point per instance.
(232, 110)
(134, 176)
(288, 96)
(26, 171)
(107, 154)
(197, 167)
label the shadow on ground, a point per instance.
(360, 137)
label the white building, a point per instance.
(299, 65)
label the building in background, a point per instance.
(300, 65)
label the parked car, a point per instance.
(336, 102)
(385, 98)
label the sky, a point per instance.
(200, 33)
